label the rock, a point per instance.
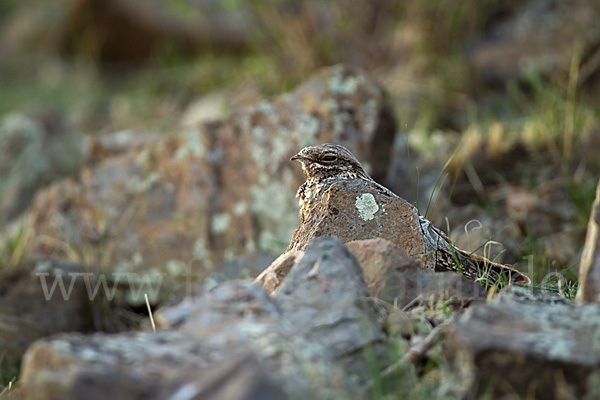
(325, 298)
(239, 376)
(354, 210)
(518, 46)
(99, 148)
(274, 275)
(233, 339)
(379, 259)
(589, 275)
(39, 299)
(215, 105)
(210, 194)
(515, 346)
(33, 152)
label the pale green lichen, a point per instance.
(366, 206)
(137, 259)
(250, 246)
(42, 266)
(143, 156)
(267, 148)
(240, 208)
(274, 203)
(220, 222)
(269, 111)
(260, 153)
(201, 253)
(175, 267)
(339, 122)
(61, 345)
(344, 85)
(230, 254)
(368, 111)
(129, 265)
(307, 130)
(139, 185)
(195, 142)
(89, 355)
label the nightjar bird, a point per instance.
(327, 164)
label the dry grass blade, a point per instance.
(150, 312)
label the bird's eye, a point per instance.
(329, 157)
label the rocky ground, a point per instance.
(145, 217)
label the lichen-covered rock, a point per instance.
(589, 275)
(234, 324)
(515, 346)
(355, 210)
(39, 299)
(210, 194)
(325, 299)
(33, 152)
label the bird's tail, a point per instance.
(478, 268)
(450, 258)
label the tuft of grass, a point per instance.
(14, 247)
(8, 377)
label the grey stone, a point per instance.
(526, 347)
(217, 339)
(325, 298)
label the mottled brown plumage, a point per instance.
(327, 164)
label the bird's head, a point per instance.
(328, 160)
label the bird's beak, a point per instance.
(296, 157)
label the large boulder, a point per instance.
(526, 346)
(328, 274)
(209, 194)
(234, 335)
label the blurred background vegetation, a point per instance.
(507, 90)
